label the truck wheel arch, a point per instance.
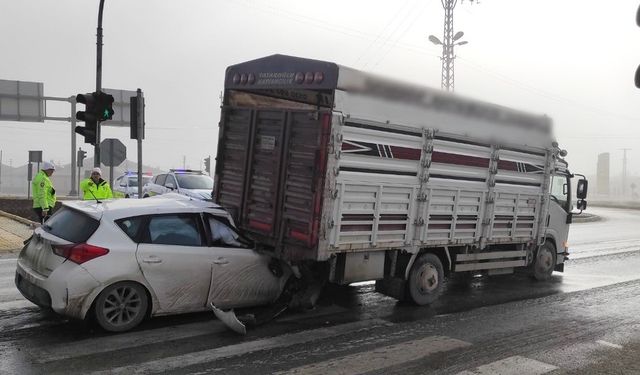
(441, 252)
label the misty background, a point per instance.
(572, 60)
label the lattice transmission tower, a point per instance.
(448, 42)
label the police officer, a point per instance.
(44, 195)
(95, 187)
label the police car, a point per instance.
(126, 186)
(192, 183)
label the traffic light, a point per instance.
(88, 116)
(105, 106)
(98, 107)
(81, 155)
(207, 164)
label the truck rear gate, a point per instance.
(270, 172)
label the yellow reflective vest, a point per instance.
(92, 190)
(44, 195)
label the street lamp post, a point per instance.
(448, 56)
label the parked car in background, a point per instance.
(120, 261)
(192, 183)
(126, 186)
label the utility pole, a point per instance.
(96, 150)
(448, 42)
(624, 171)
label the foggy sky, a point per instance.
(572, 60)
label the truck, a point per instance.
(348, 176)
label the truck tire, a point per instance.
(544, 262)
(425, 279)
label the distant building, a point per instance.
(603, 174)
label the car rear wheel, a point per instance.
(121, 306)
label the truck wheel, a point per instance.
(121, 306)
(545, 262)
(425, 279)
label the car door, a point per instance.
(176, 261)
(240, 275)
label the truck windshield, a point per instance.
(560, 188)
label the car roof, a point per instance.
(165, 203)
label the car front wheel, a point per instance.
(121, 306)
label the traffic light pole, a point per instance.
(140, 136)
(73, 192)
(96, 152)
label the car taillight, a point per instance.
(80, 253)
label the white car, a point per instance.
(126, 186)
(192, 183)
(120, 261)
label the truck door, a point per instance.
(559, 209)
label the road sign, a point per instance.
(35, 156)
(21, 101)
(113, 152)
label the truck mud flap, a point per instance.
(230, 319)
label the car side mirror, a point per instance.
(170, 185)
(581, 191)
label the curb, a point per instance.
(18, 218)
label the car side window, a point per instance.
(171, 180)
(131, 226)
(181, 230)
(222, 235)
(160, 179)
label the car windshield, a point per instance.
(195, 181)
(133, 181)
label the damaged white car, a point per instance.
(120, 261)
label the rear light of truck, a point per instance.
(80, 253)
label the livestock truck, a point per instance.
(358, 177)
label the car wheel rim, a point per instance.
(122, 306)
(427, 279)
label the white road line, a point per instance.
(14, 260)
(210, 355)
(380, 358)
(609, 344)
(515, 365)
(18, 304)
(7, 290)
(125, 340)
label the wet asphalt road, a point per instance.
(575, 323)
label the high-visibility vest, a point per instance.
(44, 195)
(92, 190)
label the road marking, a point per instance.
(125, 340)
(380, 358)
(18, 304)
(210, 355)
(609, 344)
(515, 365)
(14, 260)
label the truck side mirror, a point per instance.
(581, 191)
(581, 205)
